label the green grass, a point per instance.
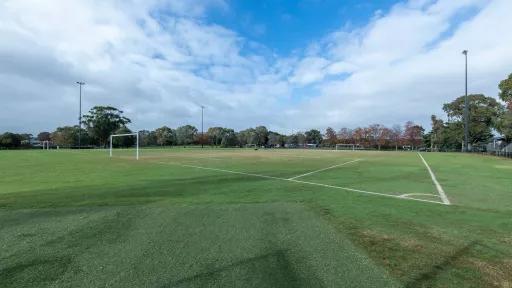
(80, 219)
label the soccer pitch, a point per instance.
(254, 218)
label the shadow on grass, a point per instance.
(34, 272)
(47, 261)
(449, 262)
(109, 229)
(271, 270)
(140, 192)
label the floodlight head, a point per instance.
(465, 52)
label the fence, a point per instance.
(499, 150)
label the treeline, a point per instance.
(488, 116)
(374, 136)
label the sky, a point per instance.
(288, 65)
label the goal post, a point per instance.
(347, 147)
(46, 145)
(136, 134)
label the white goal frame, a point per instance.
(123, 135)
(352, 146)
(46, 145)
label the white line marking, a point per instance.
(419, 194)
(320, 170)
(362, 191)
(229, 171)
(303, 182)
(438, 186)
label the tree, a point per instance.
(505, 87)
(437, 132)
(484, 114)
(25, 139)
(313, 136)
(147, 138)
(229, 138)
(10, 140)
(275, 139)
(413, 134)
(260, 136)
(185, 135)
(396, 135)
(301, 138)
(345, 136)
(383, 137)
(246, 137)
(292, 140)
(505, 121)
(215, 135)
(373, 133)
(505, 125)
(103, 121)
(358, 136)
(44, 136)
(67, 136)
(330, 136)
(165, 136)
(452, 135)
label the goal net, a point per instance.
(125, 145)
(347, 146)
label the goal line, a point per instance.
(323, 169)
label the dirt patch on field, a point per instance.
(496, 274)
(404, 242)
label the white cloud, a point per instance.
(399, 75)
(158, 60)
(156, 70)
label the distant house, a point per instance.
(507, 148)
(34, 142)
(497, 143)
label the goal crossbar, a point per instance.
(350, 146)
(123, 135)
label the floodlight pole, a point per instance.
(466, 108)
(80, 115)
(202, 128)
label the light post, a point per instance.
(466, 104)
(202, 128)
(80, 115)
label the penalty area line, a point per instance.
(302, 182)
(439, 188)
(323, 169)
